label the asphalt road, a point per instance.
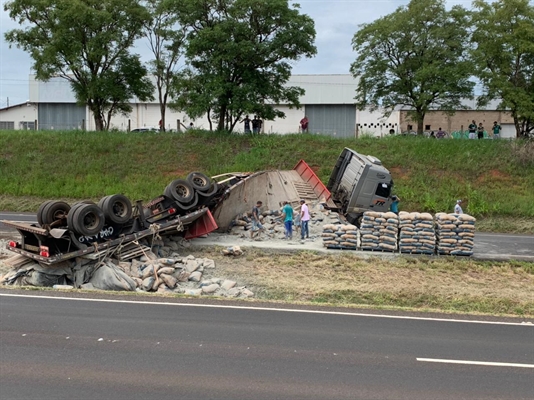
(53, 348)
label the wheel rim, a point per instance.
(90, 221)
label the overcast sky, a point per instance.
(336, 21)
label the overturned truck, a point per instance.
(198, 205)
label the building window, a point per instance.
(410, 127)
(27, 125)
(7, 125)
(427, 127)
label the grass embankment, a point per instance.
(415, 283)
(495, 178)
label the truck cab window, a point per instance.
(383, 190)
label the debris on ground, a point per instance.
(159, 269)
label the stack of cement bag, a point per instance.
(379, 231)
(417, 234)
(340, 236)
(456, 233)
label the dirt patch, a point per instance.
(399, 172)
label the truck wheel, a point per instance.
(53, 211)
(117, 208)
(199, 181)
(182, 208)
(179, 190)
(40, 212)
(212, 190)
(86, 220)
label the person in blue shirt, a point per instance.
(288, 219)
(394, 207)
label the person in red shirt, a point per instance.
(304, 124)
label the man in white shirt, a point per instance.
(458, 208)
(304, 220)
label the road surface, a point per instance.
(64, 348)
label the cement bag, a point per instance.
(110, 277)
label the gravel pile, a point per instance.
(379, 231)
(455, 234)
(417, 234)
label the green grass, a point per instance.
(495, 178)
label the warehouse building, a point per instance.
(328, 103)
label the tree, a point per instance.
(166, 41)
(503, 55)
(414, 57)
(238, 54)
(86, 42)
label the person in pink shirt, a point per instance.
(304, 220)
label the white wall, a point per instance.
(18, 114)
(375, 123)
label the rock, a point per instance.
(182, 276)
(189, 257)
(209, 263)
(169, 280)
(166, 270)
(247, 293)
(228, 284)
(166, 261)
(148, 283)
(193, 292)
(63, 287)
(157, 283)
(173, 246)
(87, 286)
(234, 292)
(191, 265)
(210, 288)
(125, 266)
(163, 289)
(195, 276)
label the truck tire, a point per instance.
(182, 208)
(199, 181)
(86, 220)
(117, 208)
(205, 198)
(180, 190)
(40, 212)
(53, 211)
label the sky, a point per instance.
(336, 22)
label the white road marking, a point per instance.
(269, 309)
(492, 364)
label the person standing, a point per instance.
(304, 124)
(304, 220)
(480, 131)
(256, 124)
(256, 223)
(496, 130)
(472, 129)
(458, 208)
(246, 121)
(394, 207)
(287, 211)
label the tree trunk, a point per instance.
(222, 115)
(420, 116)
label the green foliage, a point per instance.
(414, 57)
(238, 53)
(86, 42)
(503, 55)
(429, 175)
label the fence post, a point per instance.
(179, 128)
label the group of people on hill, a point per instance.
(255, 123)
(477, 131)
(302, 220)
